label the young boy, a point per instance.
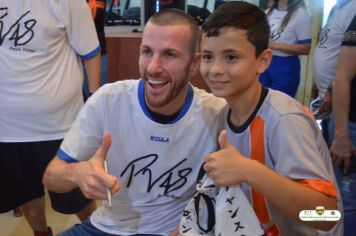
(272, 146)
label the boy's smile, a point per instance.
(229, 64)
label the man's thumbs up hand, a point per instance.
(102, 151)
(224, 166)
(91, 176)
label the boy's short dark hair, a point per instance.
(240, 15)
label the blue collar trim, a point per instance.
(183, 111)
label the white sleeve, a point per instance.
(303, 26)
(85, 135)
(295, 151)
(76, 18)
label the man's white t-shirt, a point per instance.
(156, 164)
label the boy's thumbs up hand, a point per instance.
(224, 165)
(224, 144)
(91, 176)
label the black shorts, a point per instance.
(22, 166)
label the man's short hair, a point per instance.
(240, 15)
(173, 16)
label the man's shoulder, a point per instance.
(118, 88)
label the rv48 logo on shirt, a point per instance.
(20, 32)
(146, 167)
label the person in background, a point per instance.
(42, 47)
(342, 126)
(326, 56)
(271, 145)
(98, 8)
(290, 37)
(153, 134)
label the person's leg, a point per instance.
(84, 214)
(15, 195)
(347, 183)
(87, 229)
(19, 162)
(34, 212)
(17, 212)
(349, 194)
(84, 229)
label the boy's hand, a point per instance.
(225, 167)
(174, 232)
(91, 176)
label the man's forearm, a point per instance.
(58, 177)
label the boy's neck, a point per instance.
(242, 107)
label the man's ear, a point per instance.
(265, 59)
(195, 64)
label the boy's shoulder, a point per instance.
(279, 104)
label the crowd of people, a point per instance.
(245, 159)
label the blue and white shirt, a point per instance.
(297, 31)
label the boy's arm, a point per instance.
(228, 167)
(89, 176)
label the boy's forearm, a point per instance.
(289, 196)
(58, 176)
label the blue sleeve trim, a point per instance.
(65, 157)
(91, 54)
(304, 41)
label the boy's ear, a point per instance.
(265, 59)
(195, 64)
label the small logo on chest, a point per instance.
(159, 139)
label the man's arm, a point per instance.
(93, 69)
(89, 176)
(341, 148)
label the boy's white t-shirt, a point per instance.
(285, 137)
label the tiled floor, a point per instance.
(17, 226)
